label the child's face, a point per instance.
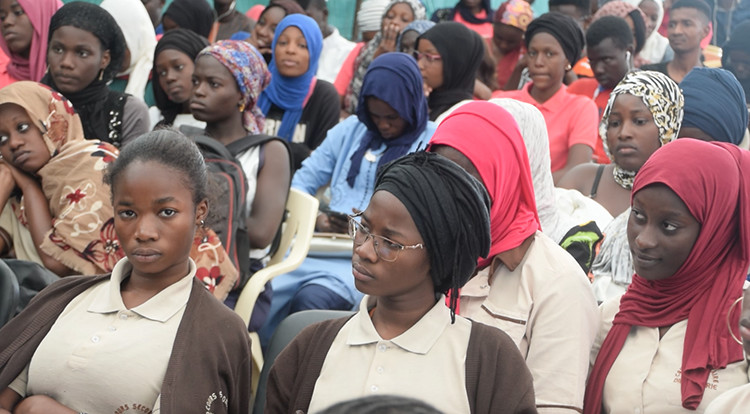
(21, 142)
(215, 93)
(156, 219)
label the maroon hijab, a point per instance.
(711, 178)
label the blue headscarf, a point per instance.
(715, 104)
(289, 93)
(395, 79)
(419, 26)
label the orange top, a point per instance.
(590, 88)
(571, 119)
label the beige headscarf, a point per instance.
(82, 235)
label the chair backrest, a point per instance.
(302, 210)
(9, 293)
(287, 330)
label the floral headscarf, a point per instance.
(664, 100)
(82, 235)
(516, 13)
(251, 73)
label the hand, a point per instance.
(427, 89)
(388, 42)
(331, 224)
(41, 404)
(7, 181)
(21, 178)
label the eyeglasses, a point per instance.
(385, 248)
(430, 57)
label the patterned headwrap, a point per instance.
(663, 99)
(82, 235)
(249, 69)
(516, 13)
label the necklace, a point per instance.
(623, 178)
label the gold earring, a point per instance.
(101, 74)
(241, 106)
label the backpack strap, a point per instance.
(242, 145)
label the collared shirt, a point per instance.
(335, 50)
(546, 305)
(646, 375)
(571, 119)
(427, 362)
(100, 357)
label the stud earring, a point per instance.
(241, 106)
(203, 223)
(568, 67)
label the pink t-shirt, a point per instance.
(484, 29)
(571, 119)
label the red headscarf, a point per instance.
(489, 137)
(711, 179)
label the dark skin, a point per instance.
(403, 289)
(547, 66)
(390, 126)
(687, 26)
(18, 170)
(321, 18)
(225, 125)
(632, 137)
(141, 285)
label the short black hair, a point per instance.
(583, 5)
(167, 147)
(610, 27)
(699, 5)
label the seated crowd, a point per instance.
(546, 213)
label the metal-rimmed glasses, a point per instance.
(386, 249)
(430, 57)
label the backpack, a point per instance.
(228, 187)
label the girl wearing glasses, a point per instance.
(404, 341)
(449, 55)
(391, 121)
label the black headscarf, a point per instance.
(195, 15)
(461, 50)
(187, 42)
(739, 40)
(450, 208)
(94, 102)
(561, 27)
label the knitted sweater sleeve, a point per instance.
(296, 369)
(497, 379)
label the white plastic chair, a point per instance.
(299, 226)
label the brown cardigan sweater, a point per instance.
(497, 379)
(211, 352)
